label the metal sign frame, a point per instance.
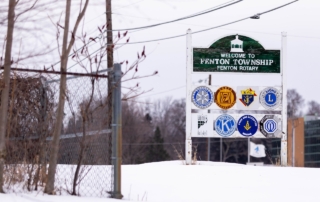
(189, 72)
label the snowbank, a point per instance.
(171, 181)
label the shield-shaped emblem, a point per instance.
(247, 96)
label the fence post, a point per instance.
(116, 131)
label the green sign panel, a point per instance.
(236, 53)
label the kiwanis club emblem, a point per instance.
(225, 97)
(225, 125)
(202, 97)
(247, 96)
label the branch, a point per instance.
(80, 16)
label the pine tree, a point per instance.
(156, 151)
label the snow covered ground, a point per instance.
(172, 181)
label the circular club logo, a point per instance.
(225, 125)
(225, 97)
(269, 126)
(270, 98)
(202, 97)
(247, 125)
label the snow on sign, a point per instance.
(236, 53)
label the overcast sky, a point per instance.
(300, 20)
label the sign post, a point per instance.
(188, 145)
(284, 150)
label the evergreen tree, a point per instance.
(156, 151)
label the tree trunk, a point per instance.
(49, 189)
(5, 90)
(66, 49)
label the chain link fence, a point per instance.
(84, 166)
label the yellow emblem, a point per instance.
(225, 97)
(247, 126)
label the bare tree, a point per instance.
(295, 103)
(66, 49)
(6, 87)
(136, 131)
(26, 14)
(15, 20)
(313, 108)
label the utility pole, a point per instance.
(109, 65)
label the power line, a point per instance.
(149, 26)
(215, 27)
(269, 33)
(196, 32)
(224, 5)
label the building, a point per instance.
(303, 142)
(312, 141)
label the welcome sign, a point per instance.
(236, 53)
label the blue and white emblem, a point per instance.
(225, 125)
(270, 98)
(202, 97)
(247, 125)
(270, 126)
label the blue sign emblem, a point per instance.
(247, 96)
(247, 125)
(225, 125)
(202, 97)
(270, 126)
(270, 98)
